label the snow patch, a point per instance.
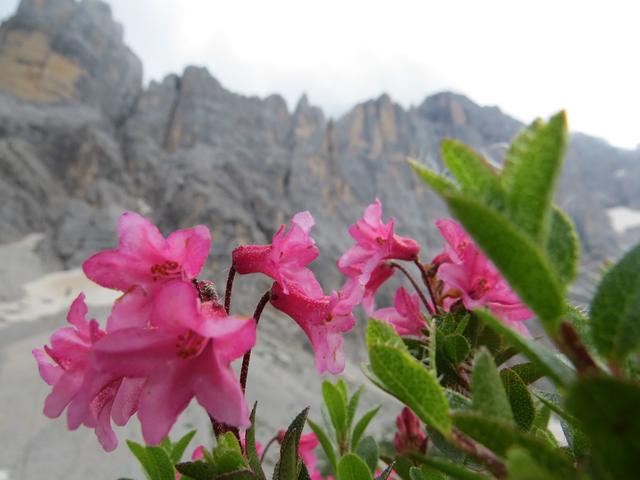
(623, 218)
(54, 293)
(4, 475)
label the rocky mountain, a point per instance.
(81, 139)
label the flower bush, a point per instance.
(455, 348)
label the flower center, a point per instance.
(189, 344)
(166, 269)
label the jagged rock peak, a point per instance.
(63, 51)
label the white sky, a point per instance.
(531, 58)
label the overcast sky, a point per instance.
(531, 58)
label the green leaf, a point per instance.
(327, 447)
(581, 323)
(474, 174)
(522, 406)
(457, 348)
(227, 455)
(453, 470)
(352, 467)
(410, 382)
(609, 411)
(352, 407)
(180, 446)
(457, 401)
(563, 247)
(252, 451)
(519, 259)
(438, 183)
(154, 460)
(287, 467)
(528, 372)
(385, 473)
(198, 470)
(344, 390)
(337, 408)
(381, 333)
(521, 466)
(304, 473)
(368, 451)
(489, 396)
(615, 309)
(532, 165)
(499, 436)
(237, 475)
(425, 473)
(545, 359)
(361, 426)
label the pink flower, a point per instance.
(308, 443)
(324, 319)
(285, 260)
(410, 437)
(142, 263)
(375, 242)
(186, 351)
(379, 275)
(405, 317)
(91, 399)
(468, 274)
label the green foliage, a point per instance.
(407, 379)
(489, 396)
(520, 399)
(532, 165)
(456, 347)
(425, 473)
(528, 372)
(521, 466)
(361, 426)
(615, 309)
(251, 450)
(451, 469)
(325, 443)
(609, 411)
(336, 404)
(288, 466)
(438, 183)
(562, 246)
(352, 467)
(543, 358)
(155, 461)
(367, 450)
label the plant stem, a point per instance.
(227, 293)
(425, 279)
(481, 453)
(572, 346)
(266, 448)
(415, 285)
(244, 371)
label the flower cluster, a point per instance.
(165, 342)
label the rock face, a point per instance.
(81, 140)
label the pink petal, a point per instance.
(218, 391)
(232, 336)
(49, 373)
(77, 313)
(104, 431)
(190, 248)
(140, 238)
(166, 394)
(116, 270)
(126, 400)
(132, 309)
(378, 277)
(176, 306)
(63, 392)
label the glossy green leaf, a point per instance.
(304, 473)
(615, 309)
(519, 259)
(368, 451)
(438, 183)
(532, 165)
(180, 446)
(541, 356)
(336, 406)
(344, 390)
(473, 172)
(198, 470)
(325, 443)
(609, 412)
(352, 467)
(489, 396)
(521, 466)
(252, 451)
(457, 348)
(519, 397)
(352, 407)
(155, 461)
(361, 426)
(381, 333)
(563, 247)
(227, 455)
(426, 473)
(528, 372)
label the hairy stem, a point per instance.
(415, 285)
(244, 371)
(228, 289)
(425, 279)
(480, 453)
(571, 345)
(266, 448)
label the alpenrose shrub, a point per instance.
(454, 347)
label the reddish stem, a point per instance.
(572, 346)
(425, 279)
(244, 371)
(415, 285)
(229, 288)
